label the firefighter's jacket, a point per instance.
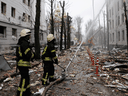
(49, 53)
(24, 53)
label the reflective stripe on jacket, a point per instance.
(24, 63)
(49, 52)
(24, 53)
(47, 59)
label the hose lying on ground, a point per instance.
(57, 81)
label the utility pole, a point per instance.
(104, 30)
(93, 15)
(100, 37)
(62, 24)
(36, 29)
(126, 23)
(107, 28)
(93, 9)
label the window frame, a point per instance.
(13, 12)
(4, 32)
(3, 8)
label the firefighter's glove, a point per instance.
(56, 61)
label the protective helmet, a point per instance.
(25, 32)
(50, 37)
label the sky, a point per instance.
(84, 9)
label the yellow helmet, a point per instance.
(25, 32)
(50, 37)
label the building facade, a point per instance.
(15, 16)
(116, 22)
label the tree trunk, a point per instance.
(52, 21)
(36, 29)
(61, 39)
(68, 32)
(65, 42)
(126, 22)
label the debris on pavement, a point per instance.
(81, 80)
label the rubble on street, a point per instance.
(91, 73)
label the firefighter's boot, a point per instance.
(44, 82)
(52, 79)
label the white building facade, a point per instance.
(116, 20)
(17, 15)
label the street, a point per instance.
(82, 77)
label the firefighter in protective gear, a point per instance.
(49, 57)
(24, 55)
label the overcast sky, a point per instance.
(84, 9)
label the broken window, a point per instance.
(24, 17)
(41, 36)
(112, 23)
(122, 17)
(13, 12)
(118, 20)
(3, 8)
(123, 35)
(118, 5)
(119, 36)
(2, 32)
(24, 1)
(29, 20)
(14, 34)
(113, 36)
(28, 2)
(110, 12)
(110, 37)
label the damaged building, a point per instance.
(15, 16)
(116, 22)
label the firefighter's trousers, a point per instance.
(24, 86)
(48, 71)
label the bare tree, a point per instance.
(68, 30)
(95, 33)
(89, 31)
(50, 15)
(36, 29)
(62, 22)
(78, 23)
(52, 21)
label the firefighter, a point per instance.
(49, 57)
(24, 55)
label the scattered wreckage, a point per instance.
(112, 70)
